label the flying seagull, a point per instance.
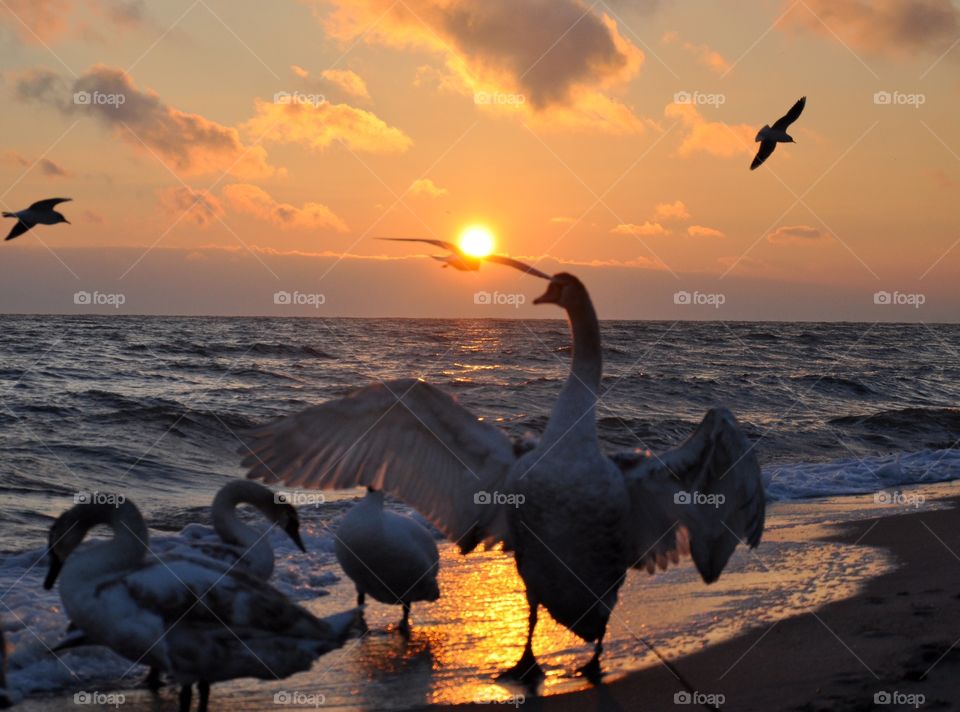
(770, 136)
(458, 259)
(40, 213)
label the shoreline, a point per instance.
(893, 646)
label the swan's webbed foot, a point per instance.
(152, 681)
(592, 670)
(527, 670)
(404, 626)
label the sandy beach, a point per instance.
(845, 600)
(894, 646)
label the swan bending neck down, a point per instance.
(388, 555)
(585, 517)
(254, 550)
(151, 613)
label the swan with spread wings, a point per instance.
(576, 518)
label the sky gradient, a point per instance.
(222, 155)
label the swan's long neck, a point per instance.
(574, 417)
(233, 531)
(126, 549)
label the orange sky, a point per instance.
(233, 151)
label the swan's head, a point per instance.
(285, 516)
(565, 291)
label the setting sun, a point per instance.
(476, 241)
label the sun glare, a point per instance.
(476, 241)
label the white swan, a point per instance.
(197, 623)
(240, 544)
(387, 555)
(576, 518)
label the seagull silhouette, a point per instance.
(770, 136)
(460, 260)
(40, 213)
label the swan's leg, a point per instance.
(592, 670)
(527, 668)
(203, 687)
(186, 694)
(405, 621)
(153, 681)
(361, 597)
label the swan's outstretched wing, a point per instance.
(704, 497)
(405, 437)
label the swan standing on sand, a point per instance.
(387, 555)
(198, 624)
(576, 519)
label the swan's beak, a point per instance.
(53, 571)
(551, 296)
(293, 531)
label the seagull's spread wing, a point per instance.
(784, 121)
(704, 497)
(20, 228)
(517, 264)
(405, 437)
(48, 204)
(766, 148)
(436, 243)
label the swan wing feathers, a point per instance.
(702, 498)
(404, 437)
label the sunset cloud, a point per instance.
(700, 135)
(349, 82)
(201, 207)
(319, 125)
(46, 21)
(882, 27)
(671, 211)
(426, 188)
(703, 231)
(190, 143)
(44, 165)
(796, 235)
(555, 54)
(709, 58)
(648, 229)
(257, 202)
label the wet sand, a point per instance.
(894, 646)
(820, 617)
